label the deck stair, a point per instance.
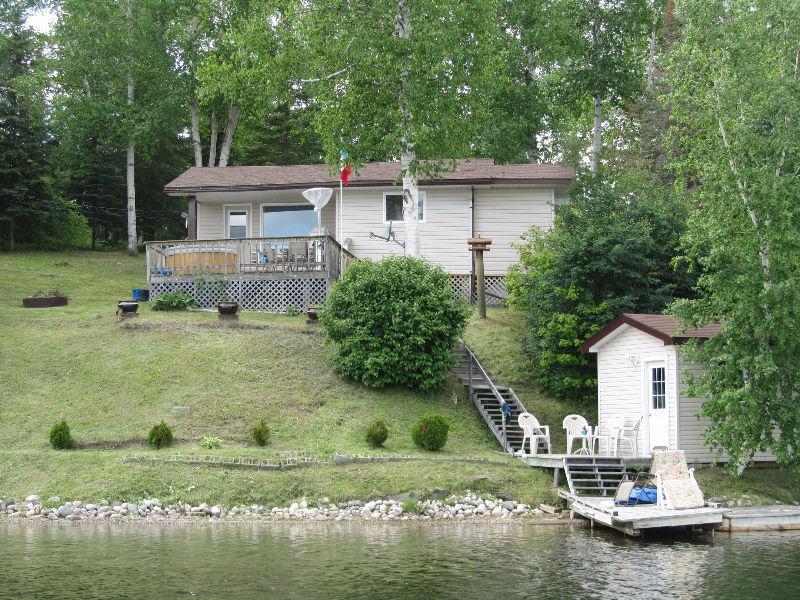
(593, 475)
(488, 397)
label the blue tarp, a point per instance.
(640, 495)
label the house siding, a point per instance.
(691, 427)
(620, 383)
(504, 214)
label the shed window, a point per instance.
(237, 224)
(393, 207)
(659, 388)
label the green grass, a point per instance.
(111, 383)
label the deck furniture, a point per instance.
(630, 435)
(578, 428)
(614, 435)
(677, 488)
(533, 433)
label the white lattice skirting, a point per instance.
(278, 295)
(271, 295)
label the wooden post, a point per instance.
(191, 219)
(478, 246)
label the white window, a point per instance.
(393, 207)
(658, 391)
(236, 222)
(297, 220)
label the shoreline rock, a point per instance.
(464, 508)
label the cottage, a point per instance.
(252, 229)
(640, 375)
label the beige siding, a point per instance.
(443, 235)
(504, 214)
(620, 382)
(211, 210)
(691, 428)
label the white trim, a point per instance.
(278, 204)
(227, 208)
(423, 197)
(607, 338)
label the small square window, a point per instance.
(237, 224)
(393, 207)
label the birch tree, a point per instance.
(736, 105)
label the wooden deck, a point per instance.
(633, 520)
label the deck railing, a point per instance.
(177, 259)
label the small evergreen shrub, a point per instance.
(430, 432)
(376, 434)
(177, 300)
(292, 311)
(160, 436)
(260, 433)
(60, 436)
(209, 442)
(395, 322)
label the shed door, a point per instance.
(657, 402)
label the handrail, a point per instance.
(474, 360)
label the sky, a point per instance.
(42, 20)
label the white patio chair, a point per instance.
(613, 435)
(677, 488)
(533, 433)
(578, 428)
(630, 436)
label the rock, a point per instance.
(33, 499)
(64, 511)
(745, 501)
(370, 506)
(54, 500)
(509, 504)
(216, 511)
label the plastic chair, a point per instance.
(533, 433)
(577, 428)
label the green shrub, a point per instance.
(292, 311)
(376, 434)
(209, 442)
(177, 300)
(260, 433)
(60, 436)
(160, 436)
(395, 322)
(430, 432)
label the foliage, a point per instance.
(60, 437)
(292, 311)
(394, 322)
(376, 434)
(736, 111)
(609, 252)
(260, 433)
(209, 442)
(160, 436)
(175, 300)
(430, 432)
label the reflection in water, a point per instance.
(386, 561)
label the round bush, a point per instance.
(376, 434)
(160, 436)
(260, 433)
(173, 301)
(395, 322)
(60, 436)
(430, 432)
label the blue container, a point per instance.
(141, 294)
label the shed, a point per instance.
(640, 375)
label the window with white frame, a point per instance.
(236, 222)
(393, 207)
(658, 383)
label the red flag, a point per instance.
(345, 174)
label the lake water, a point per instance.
(388, 562)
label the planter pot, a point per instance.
(313, 315)
(128, 307)
(228, 308)
(44, 301)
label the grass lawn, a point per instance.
(113, 383)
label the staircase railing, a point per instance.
(475, 363)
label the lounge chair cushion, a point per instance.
(684, 493)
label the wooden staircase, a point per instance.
(488, 397)
(593, 475)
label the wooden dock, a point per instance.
(634, 520)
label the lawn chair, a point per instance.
(613, 434)
(534, 433)
(677, 488)
(578, 428)
(630, 436)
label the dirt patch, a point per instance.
(186, 326)
(123, 444)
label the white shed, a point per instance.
(640, 376)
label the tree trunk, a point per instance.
(94, 235)
(212, 150)
(198, 147)
(227, 136)
(10, 234)
(597, 132)
(132, 246)
(408, 153)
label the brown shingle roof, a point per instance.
(663, 327)
(476, 171)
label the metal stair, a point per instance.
(489, 398)
(593, 475)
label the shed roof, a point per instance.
(663, 327)
(467, 172)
